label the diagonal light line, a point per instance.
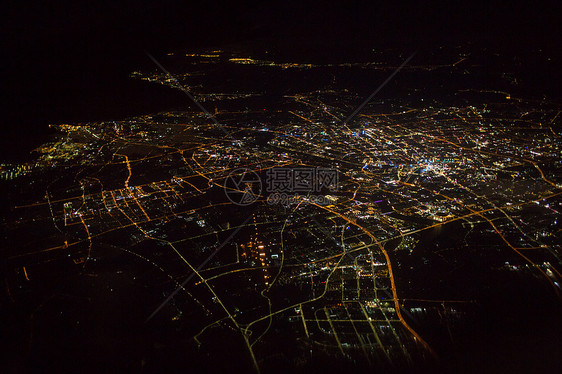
(324, 230)
(186, 91)
(378, 89)
(385, 290)
(196, 270)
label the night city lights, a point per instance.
(282, 188)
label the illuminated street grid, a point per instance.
(325, 275)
